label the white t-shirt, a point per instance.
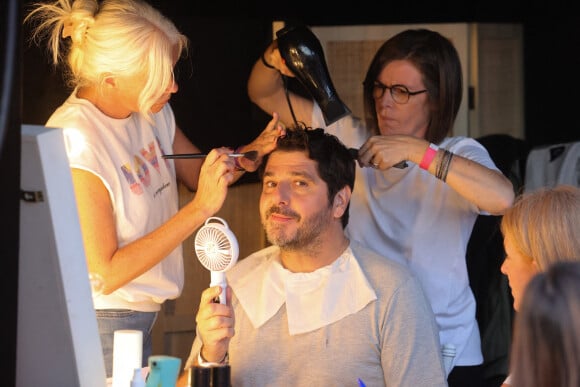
(410, 216)
(126, 155)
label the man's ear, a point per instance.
(341, 200)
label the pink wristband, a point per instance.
(428, 156)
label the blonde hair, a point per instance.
(544, 225)
(120, 38)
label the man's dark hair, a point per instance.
(334, 162)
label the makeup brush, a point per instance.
(250, 155)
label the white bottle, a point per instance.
(137, 380)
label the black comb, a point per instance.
(354, 154)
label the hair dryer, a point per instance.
(303, 54)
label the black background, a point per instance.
(212, 106)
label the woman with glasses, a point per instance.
(421, 214)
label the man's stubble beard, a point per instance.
(305, 236)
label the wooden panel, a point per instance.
(491, 56)
(499, 101)
(349, 50)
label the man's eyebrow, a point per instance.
(303, 174)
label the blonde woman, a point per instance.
(542, 228)
(119, 57)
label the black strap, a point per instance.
(287, 92)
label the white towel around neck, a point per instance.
(335, 291)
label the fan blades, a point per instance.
(217, 250)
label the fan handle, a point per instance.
(219, 278)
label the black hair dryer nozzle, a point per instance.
(303, 54)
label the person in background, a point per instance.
(542, 228)
(546, 344)
(421, 215)
(315, 308)
(119, 57)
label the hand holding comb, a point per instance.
(401, 165)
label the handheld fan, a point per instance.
(217, 250)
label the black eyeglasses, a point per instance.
(400, 93)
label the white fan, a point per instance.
(217, 250)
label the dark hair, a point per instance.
(438, 62)
(546, 346)
(334, 162)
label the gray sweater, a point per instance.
(393, 341)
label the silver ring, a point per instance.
(375, 165)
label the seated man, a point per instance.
(315, 309)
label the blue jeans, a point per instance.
(110, 320)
